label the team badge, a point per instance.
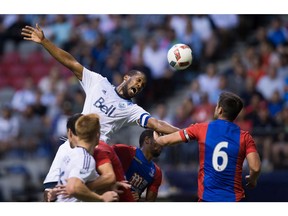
(122, 105)
(83, 171)
(152, 172)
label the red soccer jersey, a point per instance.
(104, 153)
(223, 147)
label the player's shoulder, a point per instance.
(200, 124)
(103, 145)
(65, 145)
(158, 169)
(124, 146)
(132, 105)
(95, 75)
(80, 152)
(157, 166)
(245, 134)
(82, 156)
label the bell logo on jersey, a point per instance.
(103, 108)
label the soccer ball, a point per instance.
(180, 56)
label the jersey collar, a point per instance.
(121, 95)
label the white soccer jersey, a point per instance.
(53, 174)
(76, 163)
(114, 111)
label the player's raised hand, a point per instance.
(33, 34)
(156, 135)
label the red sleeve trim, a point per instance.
(104, 161)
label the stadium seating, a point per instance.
(10, 58)
(37, 71)
(33, 58)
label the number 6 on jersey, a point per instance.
(222, 154)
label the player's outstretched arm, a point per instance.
(37, 35)
(169, 139)
(76, 188)
(106, 179)
(161, 126)
(254, 164)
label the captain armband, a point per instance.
(143, 120)
(186, 135)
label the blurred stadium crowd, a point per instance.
(246, 54)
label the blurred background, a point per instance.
(245, 54)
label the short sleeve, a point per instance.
(89, 79)
(250, 143)
(190, 133)
(84, 170)
(139, 116)
(102, 157)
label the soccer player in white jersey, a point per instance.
(78, 165)
(112, 104)
(52, 178)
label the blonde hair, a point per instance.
(88, 127)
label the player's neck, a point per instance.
(147, 155)
(222, 118)
(119, 91)
(88, 147)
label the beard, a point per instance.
(125, 92)
(156, 154)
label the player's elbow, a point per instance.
(254, 162)
(256, 168)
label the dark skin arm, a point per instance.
(151, 196)
(161, 126)
(65, 58)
